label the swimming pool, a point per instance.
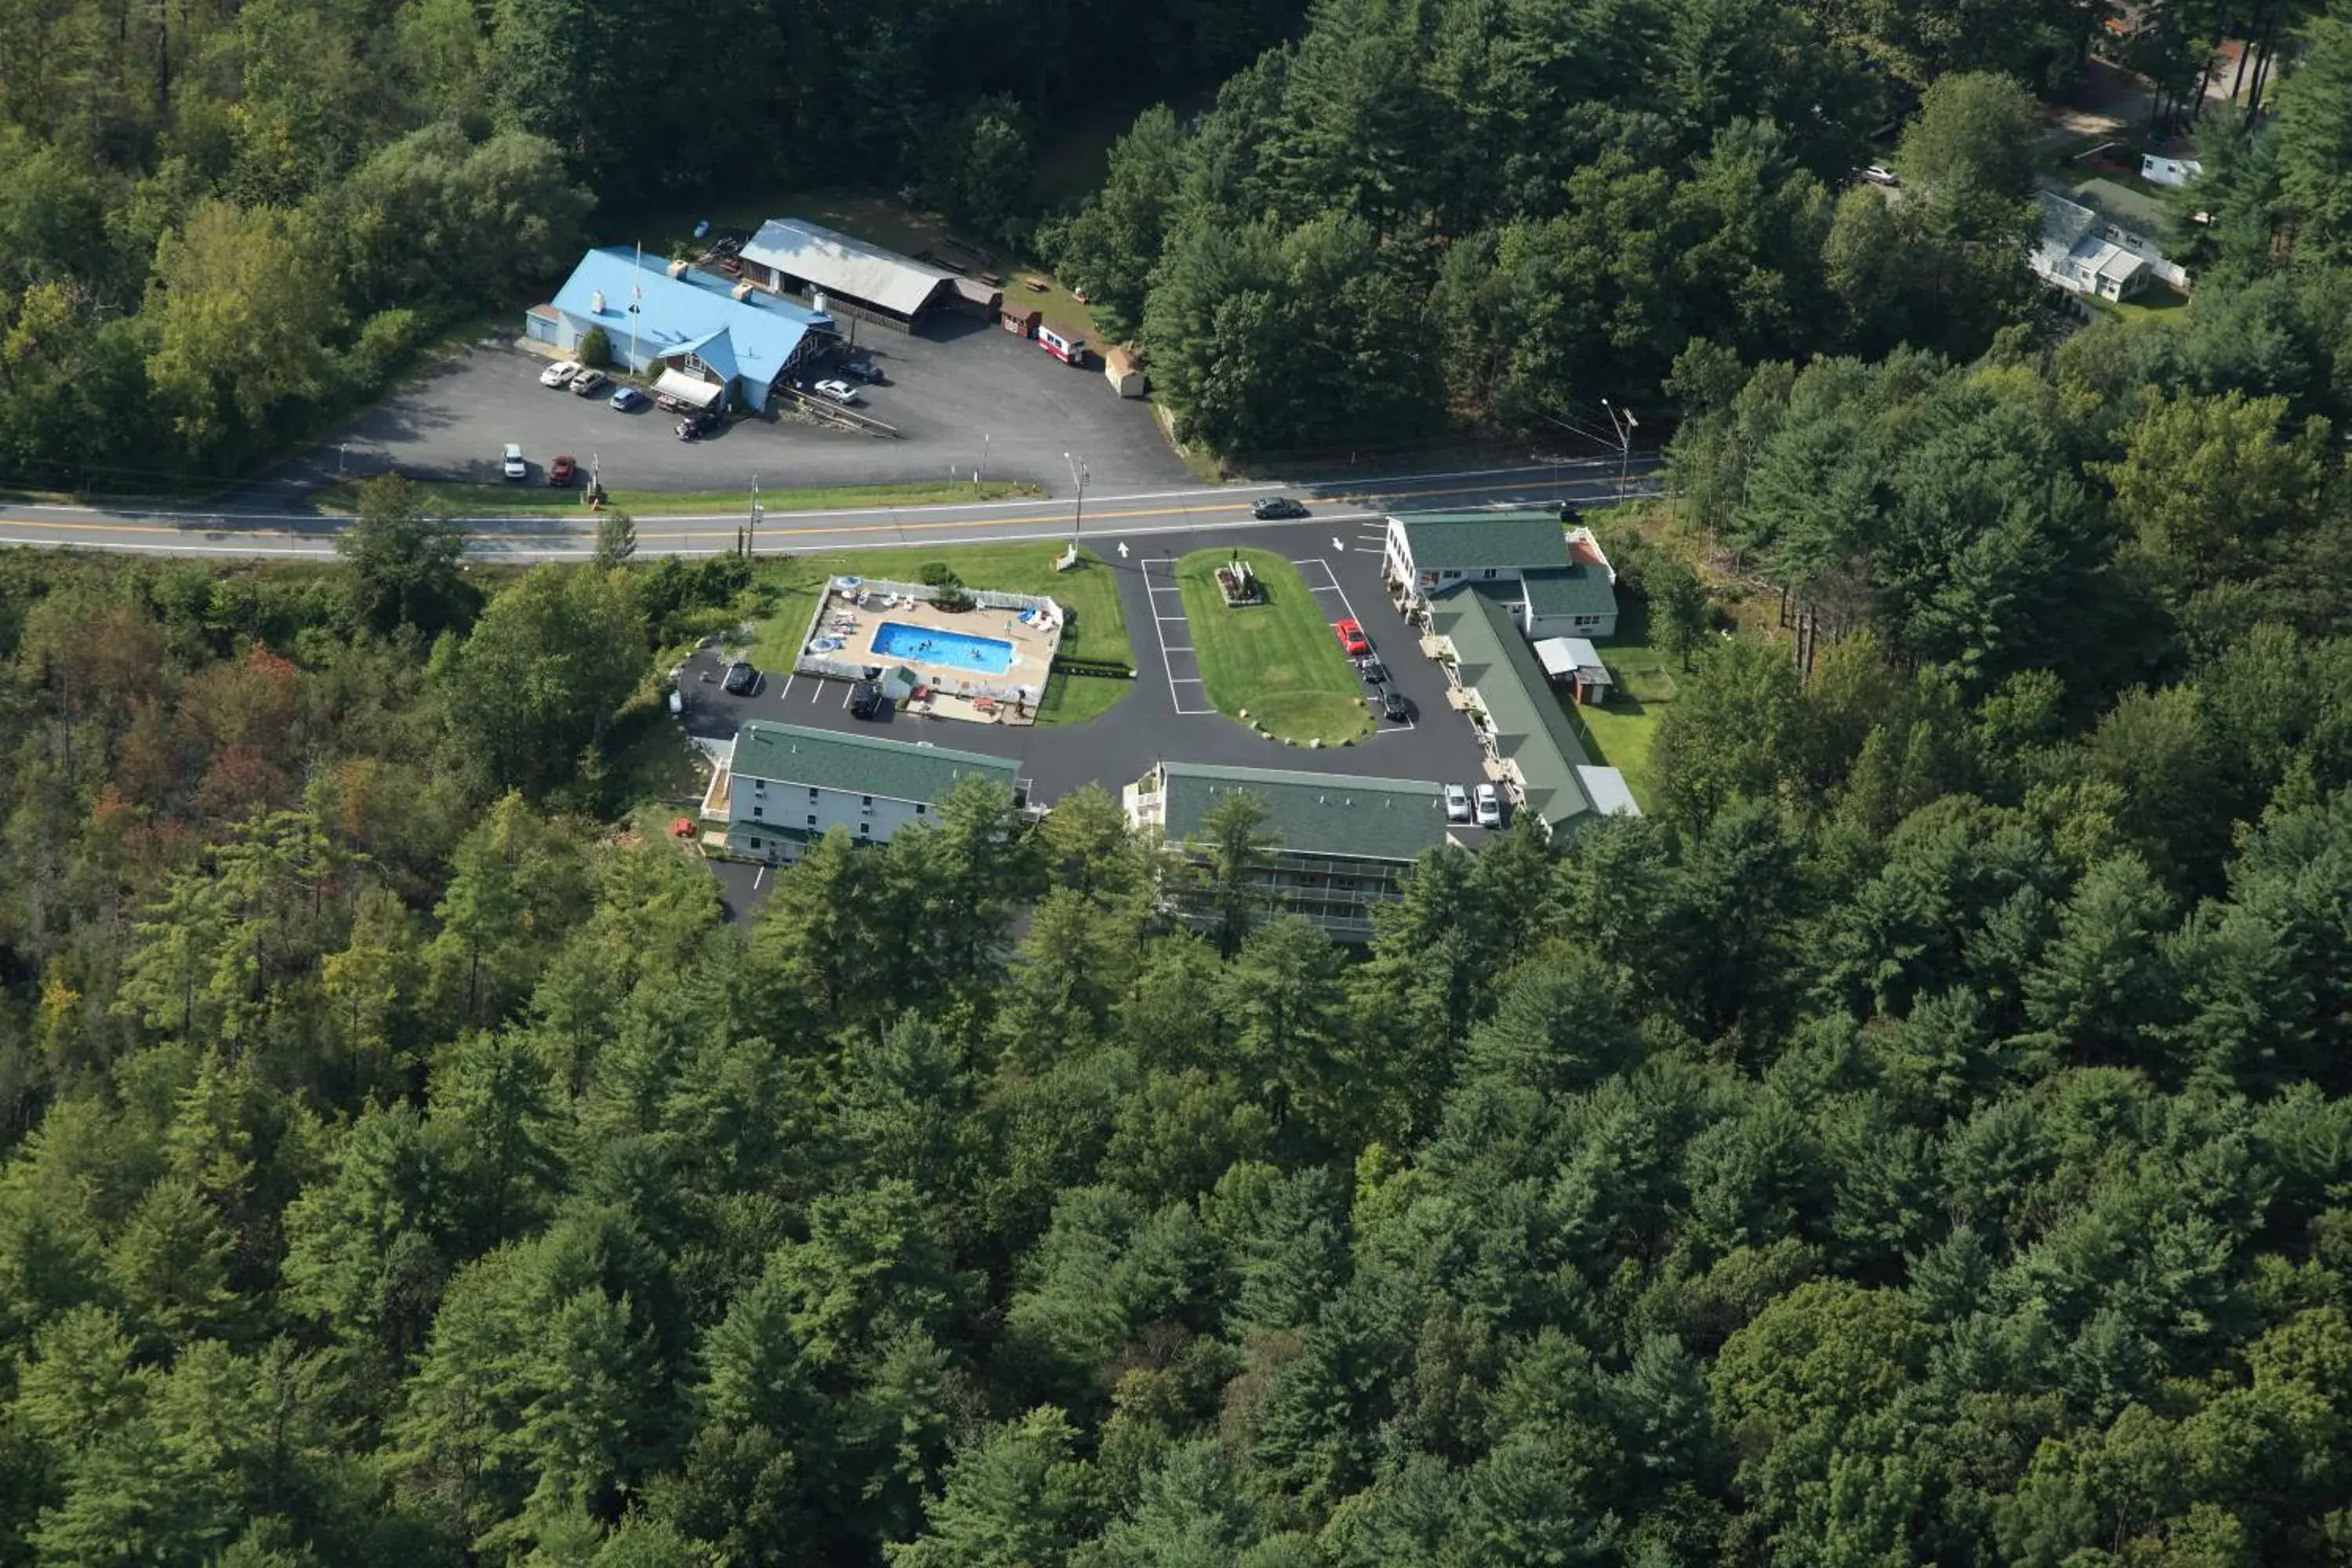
(957, 650)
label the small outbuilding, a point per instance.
(1576, 663)
(1021, 321)
(1125, 376)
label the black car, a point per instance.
(695, 426)
(1267, 508)
(1393, 705)
(865, 371)
(740, 679)
(1570, 513)
(866, 701)
(1373, 671)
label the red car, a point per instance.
(562, 470)
(1352, 638)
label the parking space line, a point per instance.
(1167, 651)
(787, 692)
(1381, 726)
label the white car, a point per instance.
(511, 464)
(1490, 806)
(840, 392)
(560, 374)
(1880, 174)
(1457, 803)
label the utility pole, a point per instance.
(1079, 475)
(976, 473)
(1621, 420)
(758, 511)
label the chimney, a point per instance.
(742, 290)
(678, 269)
(596, 304)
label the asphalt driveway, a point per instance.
(964, 397)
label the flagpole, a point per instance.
(636, 292)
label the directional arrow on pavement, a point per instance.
(1336, 544)
(1122, 550)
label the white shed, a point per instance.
(1607, 789)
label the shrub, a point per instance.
(595, 348)
(386, 341)
(939, 574)
(954, 601)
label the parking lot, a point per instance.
(963, 395)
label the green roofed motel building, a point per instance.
(786, 785)
(1485, 585)
(1339, 845)
(1556, 580)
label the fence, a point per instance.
(986, 598)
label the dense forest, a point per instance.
(225, 219)
(1925, 1138)
(1495, 213)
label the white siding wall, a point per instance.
(791, 807)
(1399, 555)
(1593, 628)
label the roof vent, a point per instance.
(678, 268)
(743, 291)
(596, 304)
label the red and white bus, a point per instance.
(1069, 350)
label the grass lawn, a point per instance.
(535, 499)
(1619, 728)
(1279, 660)
(1074, 699)
(1097, 630)
(2159, 299)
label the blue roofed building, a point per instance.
(698, 336)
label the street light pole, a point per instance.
(1621, 420)
(1079, 475)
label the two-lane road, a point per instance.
(1103, 521)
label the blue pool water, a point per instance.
(957, 650)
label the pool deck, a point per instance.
(952, 692)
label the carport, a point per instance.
(692, 391)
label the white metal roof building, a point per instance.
(791, 254)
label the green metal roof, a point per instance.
(1474, 540)
(1578, 589)
(864, 764)
(2143, 214)
(1531, 729)
(1315, 814)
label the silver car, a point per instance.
(1490, 806)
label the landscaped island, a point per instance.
(1274, 664)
